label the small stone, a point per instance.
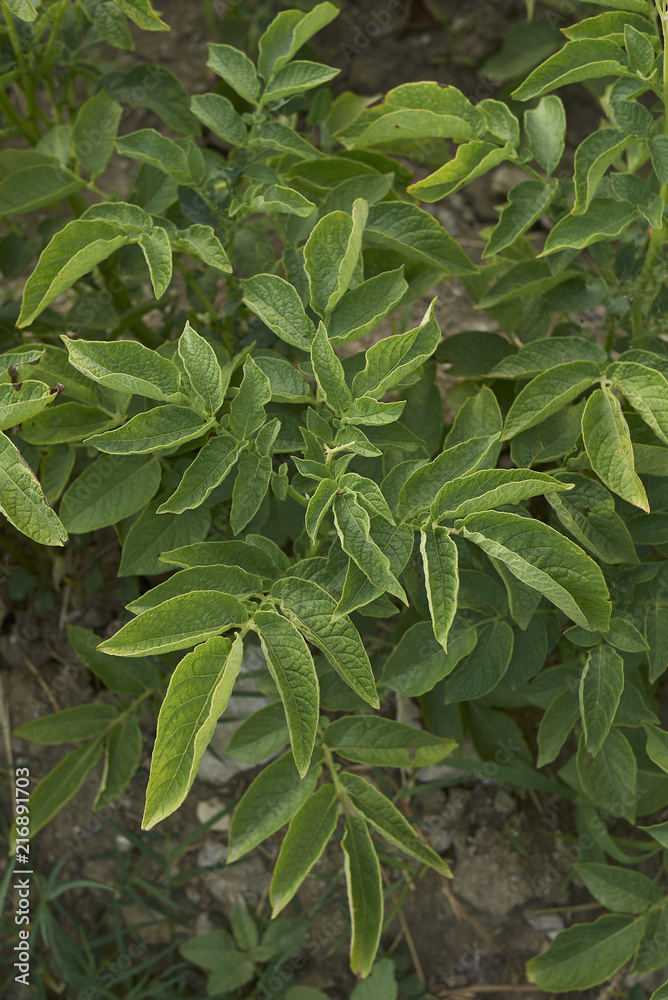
(549, 923)
(209, 808)
(504, 803)
(211, 853)
(238, 884)
(204, 924)
(122, 843)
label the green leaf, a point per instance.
(606, 439)
(202, 368)
(528, 277)
(262, 734)
(545, 560)
(286, 34)
(619, 889)
(592, 158)
(609, 779)
(22, 9)
(109, 22)
(601, 687)
(361, 308)
(329, 373)
(177, 623)
(74, 251)
(277, 138)
(154, 430)
(386, 819)
(22, 501)
(500, 121)
(250, 488)
(202, 242)
(307, 837)
(269, 803)
(36, 186)
(63, 423)
(646, 390)
(158, 255)
(291, 666)
(365, 894)
(484, 666)
(369, 495)
(287, 384)
(94, 131)
(372, 739)
(396, 542)
(244, 554)
(439, 562)
(545, 126)
(588, 512)
(473, 159)
(422, 488)
(151, 147)
(656, 635)
(198, 693)
(390, 360)
(604, 219)
(353, 527)
(659, 831)
(218, 114)
(210, 467)
(278, 305)
(331, 255)
(398, 225)
(586, 954)
(247, 408)
(527, 201)
(491, 488)
(318, 505)
(142, 14)
(419, 662)
(121, 675)
(280, 199)
(124, 365)
(548, 393)
(61, 784)
(227, 579)
(479, 415)
(639, 47)
(370, 413)
(310, 608)
(581, 59)
(296, 78)
(72, 725)
(152, 533)
(112, 488)
(557, 722)
(20, 401)
(233, 66)
(631, 118)
(625, 636)
(122, 755)
(657, 746)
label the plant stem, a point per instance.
(28, 76)
(340, 793)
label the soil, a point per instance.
(511, 891)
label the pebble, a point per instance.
(209, 808)
(549, 923)
(504, 803)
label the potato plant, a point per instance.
(296, 497)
